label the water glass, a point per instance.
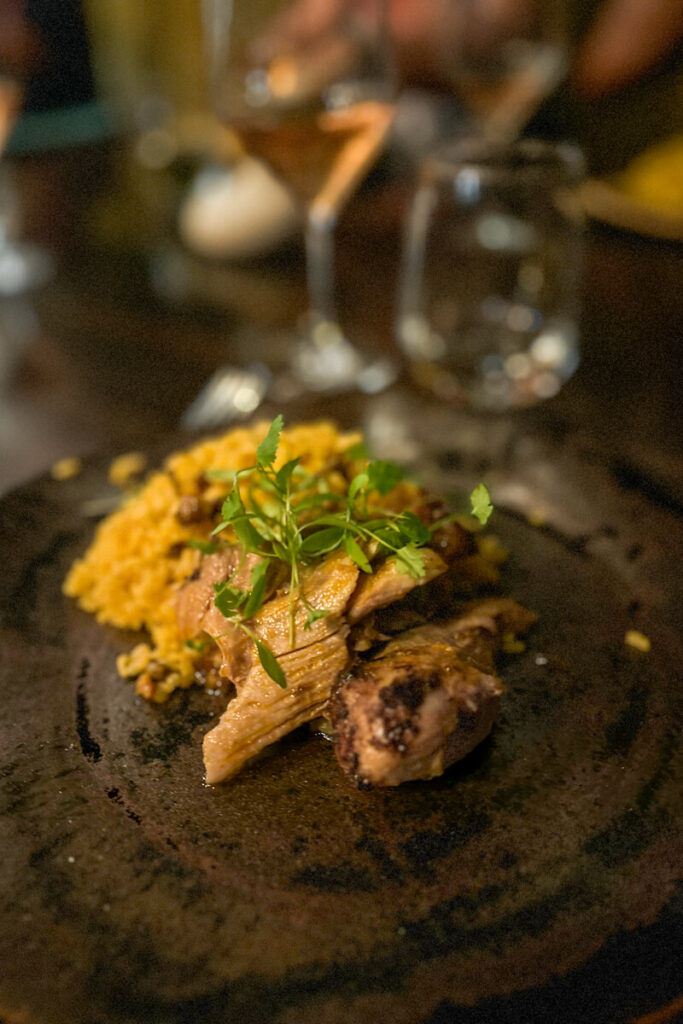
(490, 286)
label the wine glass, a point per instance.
(501, 59)
(488, 298)
(308, 86)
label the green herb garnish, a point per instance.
(481, 504)
(289, 515)
(205, 546)
(198, 645)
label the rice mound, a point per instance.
(130, 574)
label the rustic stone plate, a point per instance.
(534, 882)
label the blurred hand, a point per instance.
(429, 34)
(627, 39)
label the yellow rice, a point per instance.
(130, 574)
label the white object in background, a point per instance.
(237, 212)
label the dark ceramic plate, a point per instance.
(534, 882)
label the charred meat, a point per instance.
(427, 699)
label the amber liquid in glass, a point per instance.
(323, 155)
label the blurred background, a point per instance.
(131, 66)
(117, 139)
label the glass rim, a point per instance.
(524, 156)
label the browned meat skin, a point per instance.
(328, 585)
(262, 712)
(389, 584)
(426, 700)
(196, 612)
(451, 540)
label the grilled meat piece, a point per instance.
(426, 700)
(262, 712)
(389, 584)
(420, 689)
(196, 612)
(195, 608)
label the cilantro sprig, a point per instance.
(288, 515)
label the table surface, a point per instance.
(105, 357)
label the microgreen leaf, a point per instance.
(232, 506)
(383, 476)
(261, 515)
(270, 663)
(284, 475)
(412, 527)
(356, 553)
(196, 645)
(313, 616)
(205, 546)
(481, 503)
(228, 599)
(267, 450)
(357, 484)
(281, 552)
(388, 537)
(409, 560)
(330, 519)
(222, 476)
(250, 539)
(321, 542)
(258, 579)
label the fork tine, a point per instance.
(231, 393)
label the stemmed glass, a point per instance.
(308, 86)
(501, 59)
(489, 288)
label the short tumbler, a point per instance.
(490, 284)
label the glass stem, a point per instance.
(320, 271)
(324, 359)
